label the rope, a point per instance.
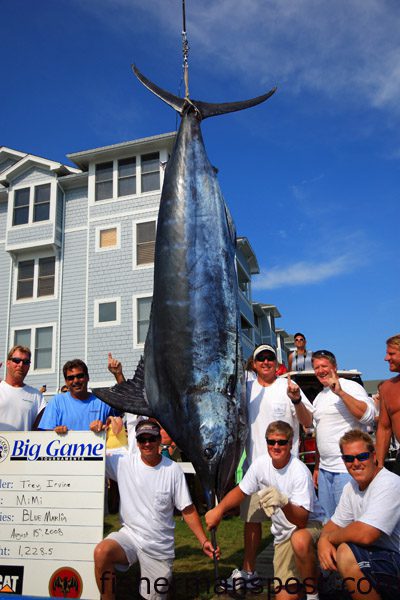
(185, 51)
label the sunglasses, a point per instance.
(265, 356)
(321, 353)
(299, 340)
(24, 361)
(77, 376)
(350, 458)
(144, 439)
(279, 442)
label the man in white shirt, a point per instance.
(150, 486)
(269, 398)
(20, 404)
(362, 539)
(290, 500)
(340, 406)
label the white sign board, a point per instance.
(51, 512)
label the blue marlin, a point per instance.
(190, 377)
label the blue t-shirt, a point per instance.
(76, 414)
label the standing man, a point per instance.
(340, 406)
(362, 539)
(389, 394)
(20, 404)
(150, 485)
(77, 409)
(269, 398)
(290, 500)
(301, 358)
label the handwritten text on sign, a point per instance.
(51, 510)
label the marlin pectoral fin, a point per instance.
(206, 109)
(231, 385)
(128, 396)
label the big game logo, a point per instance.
(11, 579)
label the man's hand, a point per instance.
(116, 424)
(209, 551)
(271, 499)
(333, 382)
(114, 365)
(97, 426)
(315, 477)
(293, 390)
(213, 518)
(61, 429)
(326, 554)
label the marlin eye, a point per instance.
(209, 452)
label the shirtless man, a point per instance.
(389, 393)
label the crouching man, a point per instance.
(362, 539)
(150, 487)
(287, 495)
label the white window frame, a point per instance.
(33, 329)
(163, 157)
(135, 266)
(101, 228)
(97, 302)
(31, 222)
(135, 298)
(36, 256)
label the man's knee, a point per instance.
(345, 559)
(107, 552)
(301, 542)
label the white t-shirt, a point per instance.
(294, 480)
(378, 505)
(265, 405)
(148, 497)
(19, 407)
(332, 419)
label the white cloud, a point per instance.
(302, 273)
(346, 50)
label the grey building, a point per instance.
(76, 258)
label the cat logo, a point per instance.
(11, 579)
(65, 583)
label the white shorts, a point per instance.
(155, 574)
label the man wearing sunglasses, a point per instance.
(362, 539)
(341, 405)
(20, 404)
(301, 358)
(285, 493)
(78, 409)
(151, 486)
(269, 398)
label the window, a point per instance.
(36, 278)
(32, 204)
(143, 306)
(145, 242)
(41, 211)
(127, 176)
(246, 327)
(107, 312)
(21, 206)
(104, 180)
(150, 172)
(40, 339)
(120, 178)
(243, 282)
(108, 238)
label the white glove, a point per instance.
(271, 499)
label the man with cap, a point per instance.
(269, 398)
(151, 486)
(341, 405)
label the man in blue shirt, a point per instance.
(78, 409)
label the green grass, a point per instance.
(191, 565)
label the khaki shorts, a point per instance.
(284, 562)
(151, 569)
(251, 511)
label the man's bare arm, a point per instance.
(383, 434)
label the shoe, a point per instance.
(239, 580)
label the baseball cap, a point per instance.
(263, 348)
(147, 428)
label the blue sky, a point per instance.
(311, 176)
